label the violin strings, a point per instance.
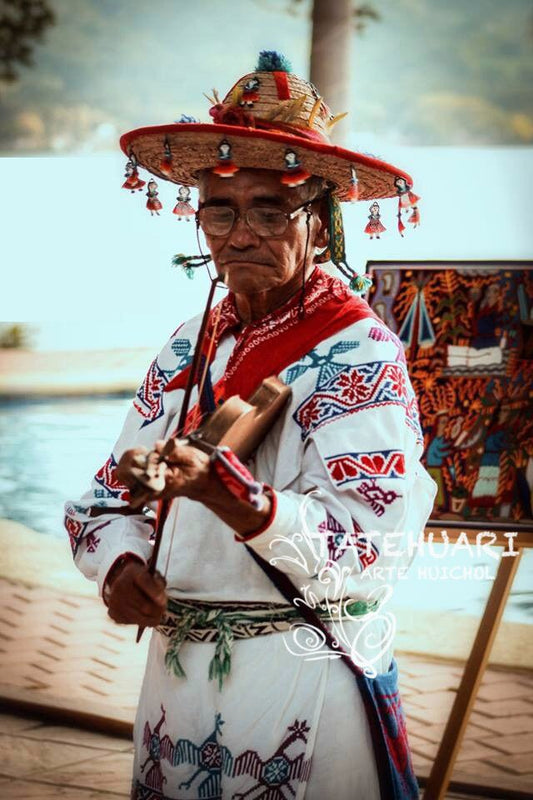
(167, 562)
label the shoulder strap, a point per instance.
(290, 593)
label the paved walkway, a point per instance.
(62, 657)
(57, 761)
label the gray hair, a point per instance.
(313, 188)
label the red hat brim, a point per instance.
(194, 147)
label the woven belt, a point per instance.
(222, 622)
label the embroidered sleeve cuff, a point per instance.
(283, 521)
(271, 494)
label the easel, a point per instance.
(438, 781)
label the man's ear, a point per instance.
(322, 234)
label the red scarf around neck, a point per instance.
(266, 346)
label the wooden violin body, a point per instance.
(239, 424)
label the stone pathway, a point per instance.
(61, 656)
(50, 761)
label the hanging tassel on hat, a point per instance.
(414, 219)
(132, 182)
(406, 200)
(190, 263)
(353, 191)
(336, 251)
(183, 208)
(153, 205)
(165, 165)
(295, 174)
(374, 225)
(225, 167)
(401, 226)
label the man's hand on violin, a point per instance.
(172, 469)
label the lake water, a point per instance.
(51, 448)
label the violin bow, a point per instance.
(165, 504)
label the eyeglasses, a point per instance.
(265, 221)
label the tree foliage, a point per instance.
(362, 14)
(15, 335)
(22, 23)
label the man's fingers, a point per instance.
(134, 617)
(153, 588)
(129, 459)
(160, 579)
(137, 597)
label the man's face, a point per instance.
(249, 263)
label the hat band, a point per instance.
(224, 114)
(298, 133)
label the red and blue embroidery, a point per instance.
(149, 400)
(347, 467)
(327, 367)
(211, 758)
(75, 530)
(355, 389)
(158, 748)
(340, 540)
(182, 349)
(107, 478)
(92, 541)
(336, 537)
(367, 552)
(376, 496)
(381, 334)
(273, 778)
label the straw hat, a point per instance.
(270, 119)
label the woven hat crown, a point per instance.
(273, 98)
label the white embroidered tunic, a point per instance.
(344, 461)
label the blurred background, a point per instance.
(442, 90)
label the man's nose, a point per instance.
(241, 235)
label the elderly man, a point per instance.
(241, 699)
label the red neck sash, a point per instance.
(266, 347)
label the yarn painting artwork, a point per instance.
(467, 332)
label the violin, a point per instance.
(240, 425)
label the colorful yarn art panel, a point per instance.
(467, 332)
